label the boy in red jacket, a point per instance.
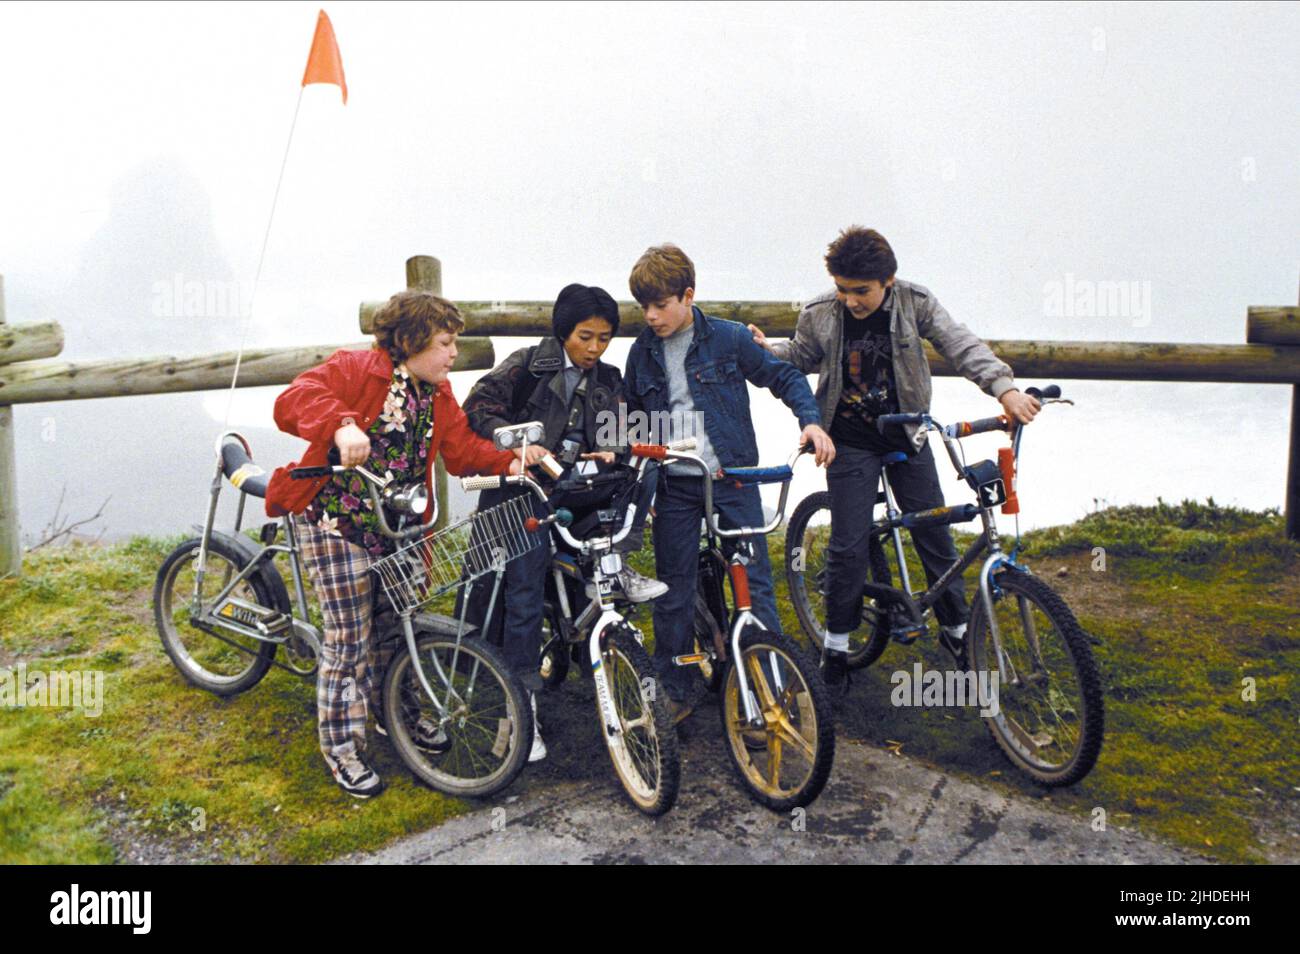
(391, 410)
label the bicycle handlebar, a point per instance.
(712, 516)
(374, 484)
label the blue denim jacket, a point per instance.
(721, 358)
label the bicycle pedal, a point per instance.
(906, 635)
(690, 659)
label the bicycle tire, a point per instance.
(202, 659)
(805, 586)
(497, 733)
(760, 761)
(626, 667)
(1021, 728)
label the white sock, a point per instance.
(838, 642)
(957, 632)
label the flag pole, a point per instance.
(261, 259)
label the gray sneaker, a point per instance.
(638, 588)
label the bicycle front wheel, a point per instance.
(644, 750)
(1049, 718)
(806, 540)
(223, 664)
(785, 763)
(480, 740)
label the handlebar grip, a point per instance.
(983, 425)
(685, 444)
(492, 482)
(305, 473)
(653, 451)
(1049, 392)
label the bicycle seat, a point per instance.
(241, 471)
(758, 475)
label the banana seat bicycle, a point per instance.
(454, 713)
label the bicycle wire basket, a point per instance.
(435, 563)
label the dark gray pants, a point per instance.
(853, 479)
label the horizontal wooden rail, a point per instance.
(34, 382)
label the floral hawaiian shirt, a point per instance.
(399, 448)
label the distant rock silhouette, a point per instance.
(154, 279)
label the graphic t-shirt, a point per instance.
(868, 386)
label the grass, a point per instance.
(1194, 599)
(1196, 609)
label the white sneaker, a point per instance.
(538, 751)
(638, 588)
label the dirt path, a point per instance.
(877, 808)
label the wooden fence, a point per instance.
(1271, 355)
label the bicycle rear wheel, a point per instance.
(487, 729)
(224, 666)
(806, 539)
(644, 751)
(1050, 718)
(786, 764)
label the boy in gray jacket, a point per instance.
(864, 341)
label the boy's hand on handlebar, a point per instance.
(516, 467)
(823, 446)
(605, 457)
(536, 454)
(1020, 406)
(353, 445)
(760, 339)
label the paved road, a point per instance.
(878, 808)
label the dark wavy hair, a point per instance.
(861, 253)
(407, 322)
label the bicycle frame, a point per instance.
(297, 622)
(600, 613)
(738, 573)
(989, 540)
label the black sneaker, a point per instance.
(354, 776)
(427, 735)
(956, 648)
(835, 668)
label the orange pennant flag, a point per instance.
(324, 65)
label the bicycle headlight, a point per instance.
(413, 499)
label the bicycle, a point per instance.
(635, 725)
(453, 712)
(776, 715)
(1051, 719)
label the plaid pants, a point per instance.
(345, 689)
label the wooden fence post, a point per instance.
(11, 554)
(425, 272)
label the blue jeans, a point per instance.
(679, 508)
(853, 480)
(523, 592)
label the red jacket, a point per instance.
(354, 384)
